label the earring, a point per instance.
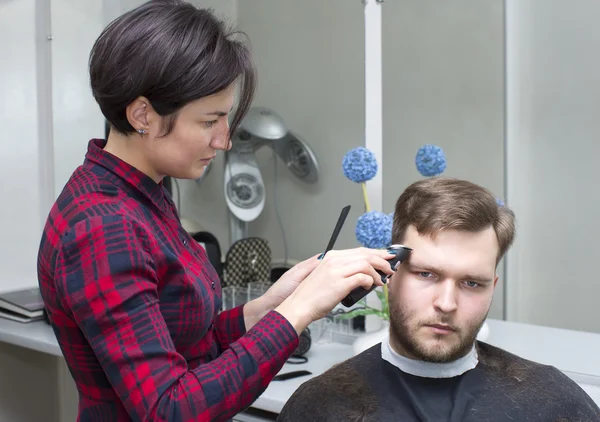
(141, 131)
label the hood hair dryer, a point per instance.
(244, 187)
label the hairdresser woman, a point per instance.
(133, 300)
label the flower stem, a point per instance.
(387, 301)
(365, 196)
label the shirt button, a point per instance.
(184, 242)
(212, 284)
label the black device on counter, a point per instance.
(402, 252)
(290, 375)
(304, 343)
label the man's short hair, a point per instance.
(442, 203)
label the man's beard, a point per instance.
(450, 347)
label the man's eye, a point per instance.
(472, 284)
(425, 274)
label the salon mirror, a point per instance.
(443, 84)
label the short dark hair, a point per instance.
(172, 53)
(443, 203)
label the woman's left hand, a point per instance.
(291, 279)
(278, 292)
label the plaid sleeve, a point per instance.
(108, 282)
(230, 326)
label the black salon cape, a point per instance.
(502, 387)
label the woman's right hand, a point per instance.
(338, 273)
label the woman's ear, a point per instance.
(138, 114)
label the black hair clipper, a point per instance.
(402, 252)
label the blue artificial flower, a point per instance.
(374, 229)
(430, 160)
(359, 165)
(500, 202)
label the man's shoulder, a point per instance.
(343, 377)
(340, 393)
(499, 362)
(541, 385)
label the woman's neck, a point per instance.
(130, 150)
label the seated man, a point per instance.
(432, 368)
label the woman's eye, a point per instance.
(210, 123)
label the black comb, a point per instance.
(337, 229)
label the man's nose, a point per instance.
(445, 299)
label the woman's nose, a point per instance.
(222, 140)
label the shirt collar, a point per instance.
(424, 369)
(123, 174)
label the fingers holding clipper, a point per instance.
(362, 280)
(353, 268)
(357, 252)
(342, 264)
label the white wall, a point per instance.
(76, 116)
(443, 78)
(20, 222)
(553, 130)
(23, 374)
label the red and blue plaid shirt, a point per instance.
(135, 305)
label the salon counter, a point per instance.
(36, 336)
(573, 352)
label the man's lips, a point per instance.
(441, 327)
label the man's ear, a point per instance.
(495, 280)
